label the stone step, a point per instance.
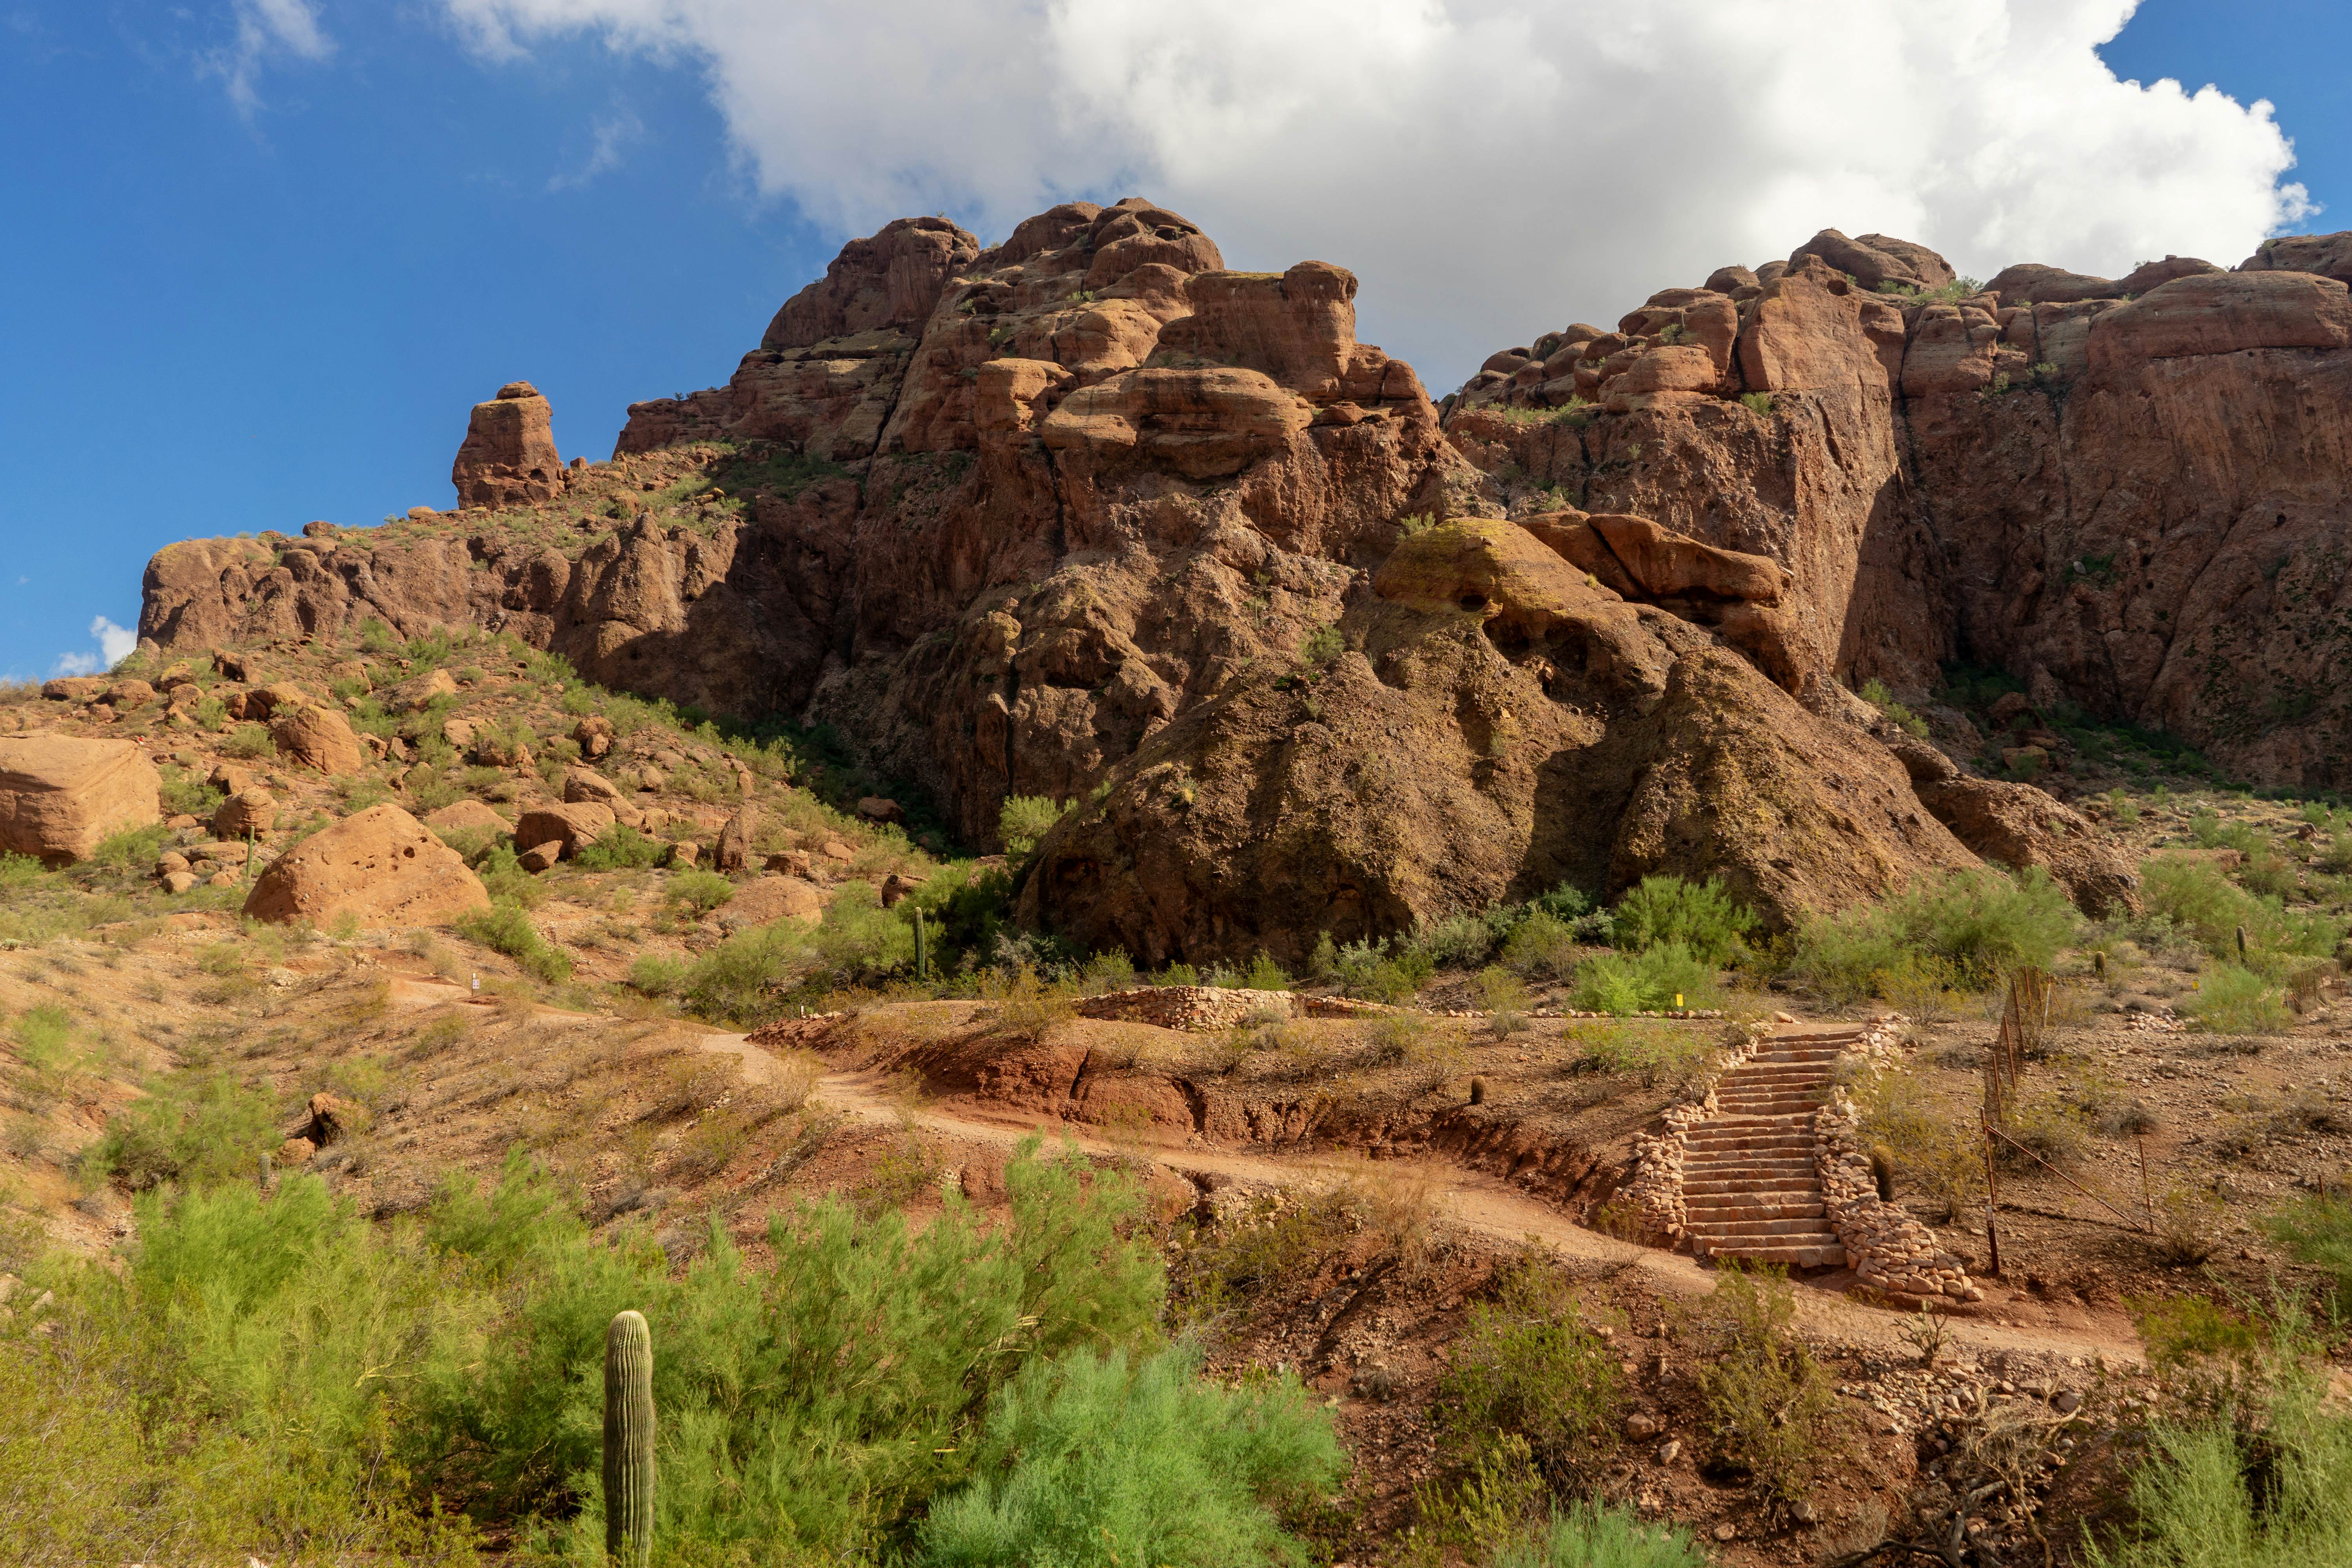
(1781, 1231)
(1801, 1256)
(1711, 1207)
(1790, 1144)
(1808, 1185)
(1747, 1170)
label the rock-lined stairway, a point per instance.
(1750, 1187)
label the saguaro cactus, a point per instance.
(629, 1440)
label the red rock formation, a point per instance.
(2120, 490)
(509, 455)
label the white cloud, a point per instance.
(1491, 168)
(115, 644)
(610, 133)
(264, 28)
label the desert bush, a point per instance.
(1979, 924)
(195, 1129)
(1023, 820)
(1527, 1366)
(2047, 1128)
(1593, 1534)
(1457, 941)
(1939, 1154)
(506, 928)
(2317, 1230)
(1112, 971)
(1108, 1458)
(502, 874)
(622, 848)
(1542, 944)
(701, 891)
(1653, 1053)
(1369, 969)
(2188, 1226)
(188, 793)
(1702, 917)
(2233, 1001)
(249, 740)
(1264, 975)
(1646, 981)
(1767, 1402)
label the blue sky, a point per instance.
(262, 255)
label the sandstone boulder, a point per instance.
(1875, 259)
(766, 899)
(1202, 424)
(466, 816)
(380, 866)
(247, 811)
(594, 735)
(2223, 312)
(566, 826)
(541, 857)
(319, 738)
(60, 798)
(2328, 255)
(586, 784)
(73, 688)
(509, 456)
(2020, 826)
(734, 849)
(418, 691)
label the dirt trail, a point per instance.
(1476, 1203)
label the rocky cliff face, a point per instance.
(2128, 494)
(1088, 515)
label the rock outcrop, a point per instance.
(61, 797)
(1086, 514)
(380, 867)
(2122, 491)
(508, 456)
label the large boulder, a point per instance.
(314, 737)
(468, 815)
(508, 456)
(2328, 255)
(565, 826)
(2021, 826)
(60, 798)
(1876, 259)
(2221, 313)
(380, 866)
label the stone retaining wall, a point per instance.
(1188, 1006)
(1656, 1189)
(1891, 1251)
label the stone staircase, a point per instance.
(1750, 1187)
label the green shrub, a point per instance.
(703, 891)
(1094, 1459)
(1542, 944)
(1457, 941)
(1647, 981)
(194, 1129)
(505, 927)
(1701, 916)
(1112, 971)
(2271, 1491)
(1367, 970)
(1594, 1534)
(2317, 1230)
(659, 974)
(250, 740)
(622, 848)
(187, 794)
(1655, 1054)
(134, 848)
(501, 872)
(1023, 820)
(1180, 975)
(1264, 975)
(2233, 1001)
(19, 872)
(1526, 1366)
(1978, 924)
(1767, 1402)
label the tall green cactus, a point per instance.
(629, 1440)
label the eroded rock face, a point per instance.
(2018, 827)
(60, 798)
(380, 866)
(2124, 491)
(509, 456)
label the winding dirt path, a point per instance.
(1468, 1199)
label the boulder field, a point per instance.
(1087, 514)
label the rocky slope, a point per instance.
(1088, 515)
(2126, 493)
